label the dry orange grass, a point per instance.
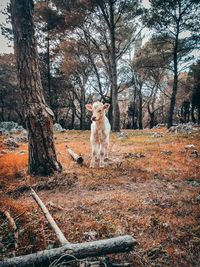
(147, 197)
(12, 164)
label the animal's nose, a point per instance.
(93, 118)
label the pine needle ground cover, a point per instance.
(150, 189)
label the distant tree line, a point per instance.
(95, 50)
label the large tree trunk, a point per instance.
(152, 120)
(192, 114)
(108, 14)
(151, 115)
(185, 111)
(48, 61)
(198, 120)
(49, 71)
(38, 116)
(172, 101)
(175, 84)
(140, 108)
(72, 117)
(114, 89)
(82, 107)
(134, 125)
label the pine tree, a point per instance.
(38, 116)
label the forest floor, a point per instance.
(150, 190)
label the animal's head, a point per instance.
(98, 110)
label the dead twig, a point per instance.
(13, 227)
(54, 226)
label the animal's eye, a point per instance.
(99, 111)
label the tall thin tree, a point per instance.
(170, 19)
(119, 17)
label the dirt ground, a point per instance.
(150, 190)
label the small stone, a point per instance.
(157, 135)
(165, 225)
(194, 154)
(172, 129)
(134, 155)
(155, 202)
(11, 143)
(122, 135)
(158, 176)
(189, 146)
(22, 152)
(198, 198)
(166, 152)
(21, 138)
(192, 182)
(7, 127)
(58, 128)
(91, 235)
(185, 128)
(160, 125)
(4, 152)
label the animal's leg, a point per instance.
(98, 151)
(106, 150)
(102, 155)
(94, 154)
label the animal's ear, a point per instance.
(106, 106)
(88, 107)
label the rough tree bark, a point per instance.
(151, 115)
(175, 80)
(82, 107)
(173, 99)
(39, 117)
(48, 61)
(140, 107)
(192, 113)
(134, 125)
(114, 89)
(71, 252)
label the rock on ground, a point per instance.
(58, 128)
(11, 143)
(10, 127)
(183, 128)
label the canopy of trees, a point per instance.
(98, 50)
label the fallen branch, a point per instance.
(75, 156)
(13, 227)
(50, 219)
(126, 264)
(69, 252)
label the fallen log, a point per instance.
(71, 252)
(13, 227)
(75, 156)
(50, 219)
